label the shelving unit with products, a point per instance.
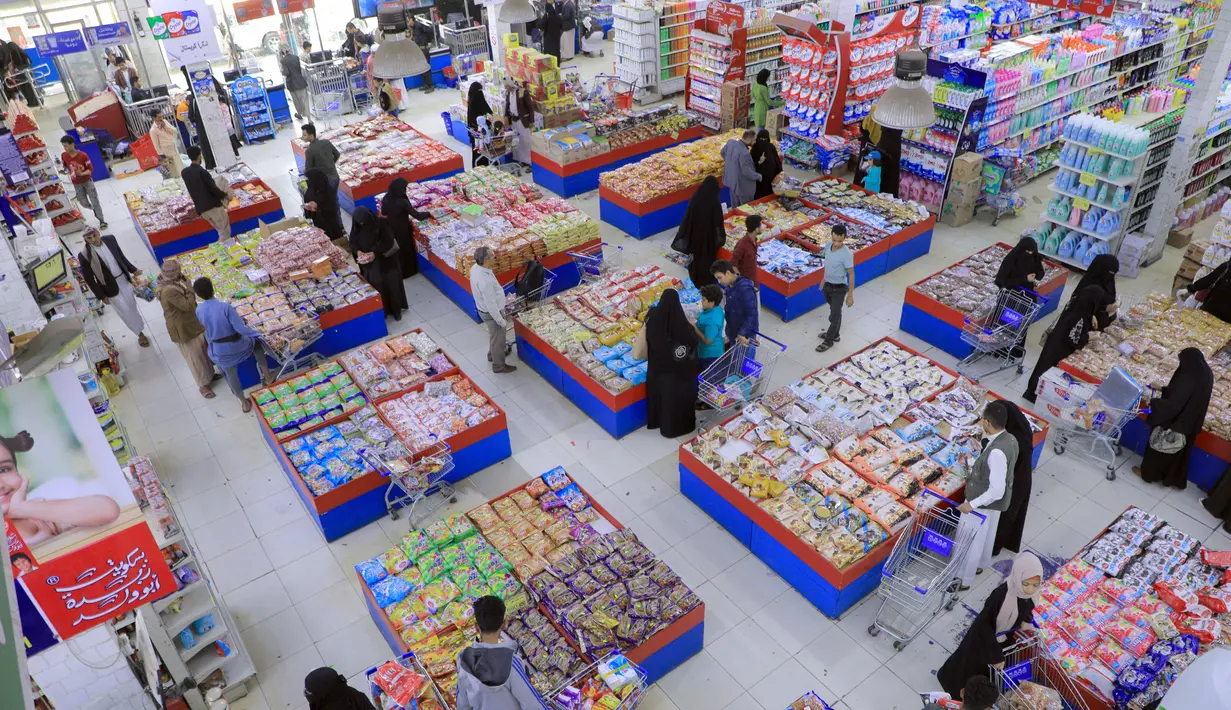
(636, 50)
(38, 192)
(764, 49)
(256, 118)
(674, 27)
(715, 62)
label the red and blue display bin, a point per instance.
(582, 176)
(362, 501)
(456, 286)
(831, 590)
(645, 219)
(938, 324)
(618, 414)
(198, 233)
(364, 195)
(657, 656)
(1211, 454)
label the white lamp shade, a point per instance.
(398, 58)
(515, 11)
(905, 106)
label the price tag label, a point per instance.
(1081, 203)
(1095, 151)
(1088, 179)
(675, 135)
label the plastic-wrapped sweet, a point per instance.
(431, 566)
(394, 560)
(372, 570)
(390, 591)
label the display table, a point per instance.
(644, 219)
(831, 589)
(361, 501)
(941, 325)
(582, 176)
(618, 414)
(453, 284)
(364, 195)
(657, 655)
(198, 233)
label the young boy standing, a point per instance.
(709, 326)
(744, 256)
(80, 172)
(489, 673)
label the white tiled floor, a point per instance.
(295, 597)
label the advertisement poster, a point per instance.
(249, 10)
(723, 18)
(190, 39)
(904, 20)
(60, 485)
(1102, 8)
(100, 581)
(109, 35)
(58, 43)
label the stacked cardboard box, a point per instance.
(541, 76)
(1189, 265)
(733, 104)
(965, 186)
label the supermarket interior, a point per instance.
(810, 505)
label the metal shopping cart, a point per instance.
(139, 115)
(595, 263)
(1031, 680)
(631, 694)
(411, 482)
(997, 331)
(497, 149)
(287, 346)
(329, 91)
(1087, 419)
(519, 298)
(923, 573)
(738, 376)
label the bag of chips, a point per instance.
(1176, 597)
(371, 570)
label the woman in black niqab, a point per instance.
(552, 26)
(476, 106)
(398, 211)
(370, 234)
(326, 689)
(324, 213)
(1013, 521)
(1071, 333)
(671, 380)
(1102, 273)
(1181, 407)
(702, 227)
(769, 164)
(1019, 265)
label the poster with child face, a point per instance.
(60, 485)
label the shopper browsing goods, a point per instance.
(709, 326)
(738, 171)
(490, 675)
(743, 313)
(208, 199)
(326, 689)
(745, 253)
(80, 172)
(671, 375)
(110, 276)
(1013, 521)
(489, 300)
(988, 490)
(320, 154)
(179, 308)
(839, 284)
(231, 340)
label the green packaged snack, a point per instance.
(431, 566)
(349, 392)
(315, 375)
(332, 369)
(460, 526)
(473, 544)
(263, 396)
(269, 408)
(308, 395)
(467, 578)
(312, 407)
(312, 421)
(342, 380)
(416, 543)
(331, 401)
(439, 533)
(294, 415)
(453, 556)
(289, 400)
(325, 389)
(490, 562)
(277, 420)
(301, 383)
(351, 405)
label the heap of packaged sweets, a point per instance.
(397, 363)
(881, 211)
(594, 326)
(968, 284)
(405, 684)
(382, 147)
(313, 398)
(1135, 607)
(670, 170)
(820, 456)
(338, 453)
(858, 235)
(788, 261)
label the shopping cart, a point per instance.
(497, 149)
(287, 346)
(630, 694)
(738, 376)
(329, 91)
(1031, 680)
(612, 92)
(1086, 418)
(997, 331)
(1003, 174)
(139, 115)
(924, 571)
(411, 482)
(518, 299)
(595, 263)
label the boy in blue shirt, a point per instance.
(872, 180)
(709, 326)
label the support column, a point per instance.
(152, 65)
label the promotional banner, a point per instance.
(101, 581)
(109, 35)
(723, 18)
(1102, 8)
(14, 680)
(58, 43)
(903, 20)
(60, 485)
(203, 88)
(187, 29)
(37, 634)
(248, 10)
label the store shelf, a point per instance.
(894, 6)
(188, 614)
(1086, 232)
(1108, 152)
(925, 146)
(1122, 181)
(1075, 196)
(1226, 159)
(202, 665)
(204, 642)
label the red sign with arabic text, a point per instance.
(249, 10)
(1102, 8)
(100, 581)
(723, 18)
(287, 6)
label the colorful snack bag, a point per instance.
(1113, 655)
(372, 571)
(416, 543)
(1134, 639)
(439, 533)
(390, 591)
(1175, 596)
(460, 526)
(1079, 631)
(394, 560)
(431, 566)
(1215, 599)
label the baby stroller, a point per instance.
(591, 37)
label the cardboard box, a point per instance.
(964, 192)
(957, 215)
(967, 166)
(1188, 269)
(268, 228)
(1180, 238)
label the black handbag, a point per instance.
(680, 243)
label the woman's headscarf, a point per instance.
(763, 77)
(1192, 367)
(1018, 427)
(476, 104)
(666, 325)
(395, 194)
(326, 689)
(1102, 273)
(317, 180)
(172, 274)
(703, 218)
(1021, 261)
(1025, 566)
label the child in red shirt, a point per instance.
(80, 172)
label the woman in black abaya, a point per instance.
(373, 246)
(398, 211)
(1071, 333)
(1003, 613)
(703, 231)
(476, 106)
(326, 689)
(1102, 273)
(671, 381)
(1013, 520)
(320, 203)
(769, 164)
(1020, 265)
(1219, 501)
(552, 26)
(1181, 408)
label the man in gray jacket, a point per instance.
(989, 488)
(489, 673)
(738, 171)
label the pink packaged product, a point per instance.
(1054, 642)
(1079, 631)
(1057, 597)
(1073, 660)
(1096, 609)
(1136, 616)
(1151, 604)
(1046, 613)
(1134, 639)
(1121, 592)
(1082, 570)
(1111, 654)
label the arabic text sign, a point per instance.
(109, 35)
(1102, 8)
(81, 590)
(57, 43)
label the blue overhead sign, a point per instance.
(109, 35)
(57, 43)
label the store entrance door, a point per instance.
(83, 73)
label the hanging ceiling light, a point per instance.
(397, 56)
(515, 11)
(907, 104)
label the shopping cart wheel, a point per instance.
(1111, 473)
(951, 603)
(1058, 449)
(874, 630)
(393, 513)
(1019, 368)
(899, 645)
(453, 499)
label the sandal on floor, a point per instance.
(207, 393)
(143, 341)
